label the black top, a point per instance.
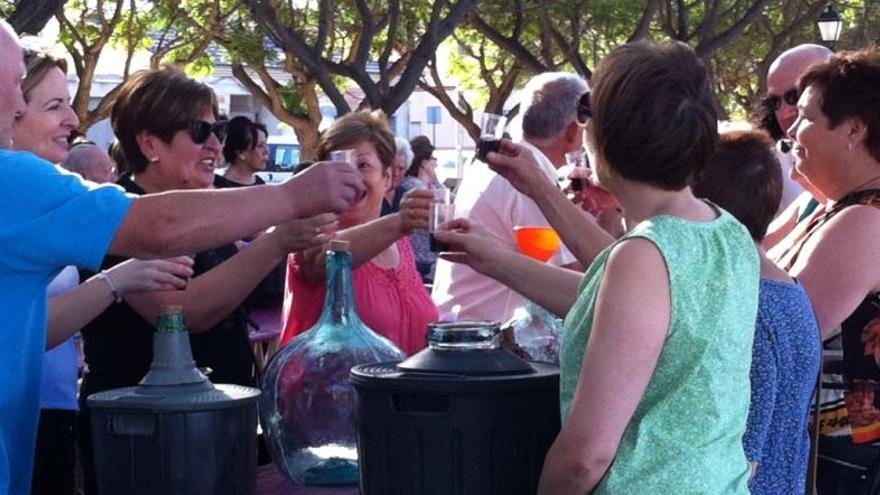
(118, 344)
(222, 182)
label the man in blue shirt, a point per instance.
(49, 219)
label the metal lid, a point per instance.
(468, 348)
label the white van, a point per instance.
(284, 156)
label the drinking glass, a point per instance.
(578, 160)
(440, 211)
(348, 156)
(491, 132)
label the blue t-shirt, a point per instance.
(48, 219)
(785, 365)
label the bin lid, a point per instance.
(173, 383)
(466, 348)
(180, 398)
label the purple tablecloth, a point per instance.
(270, 481)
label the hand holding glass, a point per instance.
(578, 160)
(440, 211)
(491, 132)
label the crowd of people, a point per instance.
(715, 268)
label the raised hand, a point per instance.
(470, 243)
(326, 187)
(150, 275)
(593, 198)
(413, 211)
(304, 233)
(517, 164)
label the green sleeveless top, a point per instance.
(685, 436)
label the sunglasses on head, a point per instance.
(583, 108)
(773, 102)
(200, 130)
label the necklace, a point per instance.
(860, 186)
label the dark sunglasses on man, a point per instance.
(583, 108)
(200, 130)
(773, 102)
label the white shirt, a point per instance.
(790, 189)
(489, 199)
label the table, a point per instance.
(270, 481)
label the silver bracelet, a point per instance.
(106, 278)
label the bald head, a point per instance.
(11, 72)
(91, 162)
(786, 70)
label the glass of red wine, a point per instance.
(491, 132)
(440, 211)
(578, 160)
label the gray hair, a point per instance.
(403, 149)
(549, 103)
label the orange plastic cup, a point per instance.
(539, 243)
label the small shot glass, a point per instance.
(440, 211)
(578, 160)
(491, 131)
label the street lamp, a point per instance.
(830, 23)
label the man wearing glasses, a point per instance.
(780, 106)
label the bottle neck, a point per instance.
(173, 322)
(339, 305)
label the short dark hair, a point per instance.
(422, 149)
(241, 135)
(744, 177)
(159, 101)
(848, 82)
(355, 127)
(653, 116)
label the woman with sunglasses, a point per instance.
(43, 129)
(834, 255)
(166, 124)
(656, 352)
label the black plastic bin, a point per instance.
(175, 433)
(455, 421)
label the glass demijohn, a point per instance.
(307, 408)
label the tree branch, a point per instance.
(644, 25)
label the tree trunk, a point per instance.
(308, 137)
(31, 16)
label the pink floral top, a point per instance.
(391, 301)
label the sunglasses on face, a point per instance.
(201, 130)
(773, 102)
(583, 108)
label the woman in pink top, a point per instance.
(389, 294)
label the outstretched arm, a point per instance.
(370, 239)
(181, 222)
(213, 295)
(580, 232)
(552, 287)
(69, 312)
